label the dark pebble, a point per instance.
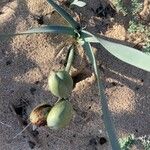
(137, 88)
(83, 114)
(39, 19)
(74, 135)
(47, 135)
(25, 123)
(114, 83)
(102, 140)
(32, 90)
(31, 144)
(90, 107)
(92, 141)
(19, 110)
(8, 62)
(35, 133)
(37, 82)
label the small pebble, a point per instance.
(92, 141)
(8, 62)
(31, 144)
(32, 90)
(102, 140)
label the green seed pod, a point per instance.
(60, 114)
(60, 83)
(39, 114)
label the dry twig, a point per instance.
(29, 135)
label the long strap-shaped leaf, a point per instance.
(65, 15)
(125, 53)
(44, 29)
(106, 114)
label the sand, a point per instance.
(25, 63)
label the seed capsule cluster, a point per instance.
(59, 116)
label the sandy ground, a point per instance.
(25, 62)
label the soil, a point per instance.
(26, 61)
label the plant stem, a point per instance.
(70, 58)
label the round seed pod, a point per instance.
(39, 114)
(60, 83)
(60, 115)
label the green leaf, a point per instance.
(107, 118)
(125, 53)
(127, 142)
(78, 3)
(65, 15)
(44, 29)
